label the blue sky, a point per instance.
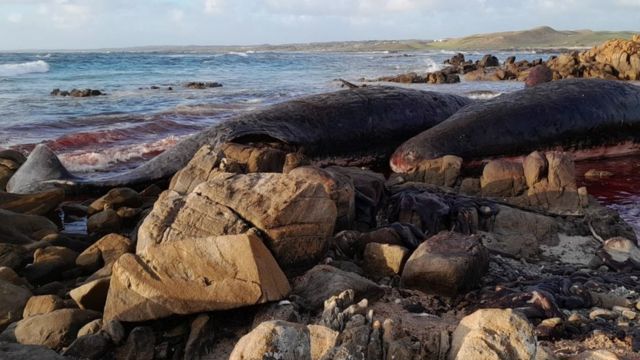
(86, 24)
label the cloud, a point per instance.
(213, 6)
(176, 15)
(15, 18)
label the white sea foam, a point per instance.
(482, 95)
(88, 161)
(39, 66)
(432, 66)
(243, 54)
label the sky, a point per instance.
(92, 24)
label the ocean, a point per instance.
(147, 108)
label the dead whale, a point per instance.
(588, 117)
(372, 120)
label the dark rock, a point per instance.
(447, 264)
(322, 282)
(489, 61)
(538, 75)
(202, 85)
(89, 347)
(201, 338)
(11, 351)
(104, 222)
(139, 346)
(12, 256)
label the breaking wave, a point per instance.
(38, 66)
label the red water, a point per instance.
(620, 191)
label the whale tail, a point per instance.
(42, 171)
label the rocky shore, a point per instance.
(251, 252)
(612, 60)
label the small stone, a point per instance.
(629, 314)
(104, 222)
(603, 314)
(576, 318)
(115, 199)
(90, 328)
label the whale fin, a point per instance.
(36, 174)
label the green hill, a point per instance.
(538, 38)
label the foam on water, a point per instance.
(83, 161)
(29, 67)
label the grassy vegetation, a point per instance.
(538, 38)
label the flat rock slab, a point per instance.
(198, 275)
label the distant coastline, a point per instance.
(540, 39)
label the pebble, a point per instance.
(603, 314)
(638, 305)
(577, 318)
(629, 314)
(551, 322)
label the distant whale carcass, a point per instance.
(372, 120)
(591, 118)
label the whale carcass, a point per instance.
(589, 117)
(372, 120)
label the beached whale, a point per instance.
(372, 120)
(588, 117)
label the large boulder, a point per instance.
(447, 264)
(502, 178)
(370, 192)
(33, 204)
(552, 184)
(42, 304)
(340, 188)
(104, 252)
(91, 295)
(192, 276)
(285, 341)
(519, 233)
(296, 215)
(175, 218)
(13, 298)
(197, 171)
(442, 171)
(55, 330)
(493, 334)
(49, 263)
(622, 55)
(23, 229)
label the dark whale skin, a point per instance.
(373, 119)
(570, 115)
